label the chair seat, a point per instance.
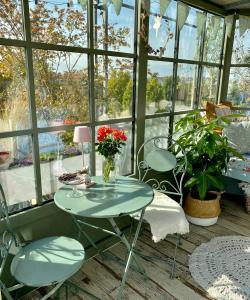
(47, 261)
(165, 216)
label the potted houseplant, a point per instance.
(208, 153)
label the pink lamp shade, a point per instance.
(81, 134)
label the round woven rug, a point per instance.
(222, 267)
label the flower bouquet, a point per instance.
(109, 144)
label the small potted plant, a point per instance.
(208, 153)
(109, 144)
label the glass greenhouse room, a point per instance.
(125, 149)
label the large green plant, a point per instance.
(208, 152)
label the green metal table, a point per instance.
(109, 200)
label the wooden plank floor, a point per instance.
(102, 277)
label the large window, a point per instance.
(55, 74)
(184, 62)
(239, 80)
(63, 64)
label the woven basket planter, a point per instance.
(202, 212)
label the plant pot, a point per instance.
(202, 212)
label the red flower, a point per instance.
(110, 140)
(103, 132)
(119, 135)
(123, 136)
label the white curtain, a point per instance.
(163, 6)
(183, 11)
(200, 22)
(117, 6)
(229, 23)
(244, 24)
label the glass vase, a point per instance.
(108, 169)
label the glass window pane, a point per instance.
(209, 84)
(162, 38)
(123, 160)
(239, 86)
(190, 37)
(14, 104)
(159, 87)
(214, 39)
(186, 86)
(17, 172)
(61, 87)
(56, 22)
(58, 155)
(113, 87)
(11, 24)
(114, 32)
(241, 47)
(156, 127)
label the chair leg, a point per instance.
(177, 243)
(179, 239)
(5, 291)
(51, 292)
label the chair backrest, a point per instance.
(8, 235)
(162, 154)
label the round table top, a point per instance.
(106, 200)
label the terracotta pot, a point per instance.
(202, 212)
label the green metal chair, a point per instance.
(49, 261)
(162, 163)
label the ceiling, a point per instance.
(232, 4)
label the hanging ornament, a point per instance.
(163, 6)
(229, 23)
(83, 4)
(244, 24)
(200, 22)
(157, 24)
(182, 14)
(117, 6)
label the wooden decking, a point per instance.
(102, 277)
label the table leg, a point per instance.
(130, 249)
(81, 231)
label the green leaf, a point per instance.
(191, 182)
(216, 182)
(202, 187)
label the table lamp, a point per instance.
(82, 135)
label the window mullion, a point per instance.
(91, 70)
(228, 49)
(32, 104)
(221, 65)
(175, 70)
(200, 67)
(141, 87)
